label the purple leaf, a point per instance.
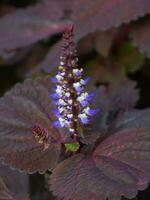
(9, 190)
(38, 22)
(92, 15)
(118, 167)
(23, 108)
(30, 25)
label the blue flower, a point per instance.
(70, 97)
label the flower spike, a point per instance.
(70, 96)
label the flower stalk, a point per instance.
(70, 96)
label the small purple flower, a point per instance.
(70, 96)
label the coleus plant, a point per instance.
(52, 125)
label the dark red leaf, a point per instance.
(30, 25)
(119, 166)
(10, 190)
(99, 14)
(125, 157)
(140, 36)
(25, 106)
